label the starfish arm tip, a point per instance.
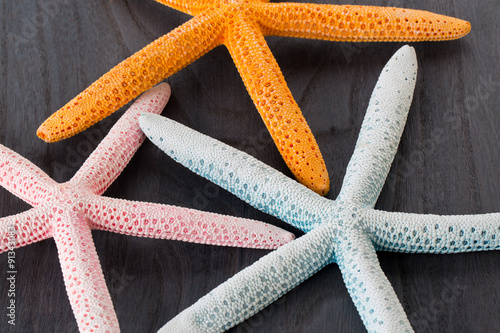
(468, 27)
(407, 50)
(322, 188)
(44, 134)
(288, 237)
(145, 119)
(163, 87)
(464, 28)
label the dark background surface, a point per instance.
(447, 163)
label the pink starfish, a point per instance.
(67, 212)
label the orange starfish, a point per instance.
(241, 26)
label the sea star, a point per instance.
(241, 26)
(67, 212)
(347, 230)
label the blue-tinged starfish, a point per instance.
(347, 230)
(241, 25)
(67, 212)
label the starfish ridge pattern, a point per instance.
(67, 212)
(347, 230)
(241, 26)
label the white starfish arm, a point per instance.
(188, 225)
(258, 285)
(88, 295)
(24, 179)
(425, 233)
(114, 152)
(381, 129)
(367, 284)
(24, 228)
(241, 174)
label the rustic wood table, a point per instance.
(447, 163)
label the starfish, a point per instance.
(241, 26)
(347, 230)
(67, 212)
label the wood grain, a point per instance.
(447, 162)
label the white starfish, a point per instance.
(347, 230)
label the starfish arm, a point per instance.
(88, 295)
(24, 179)
(279, 111)
(188, 225)
(381, 129)
(426, 233)
(189, 7)
(114, 152)
(24, 228)
(257, 286)
(237, 172)
(141, 71)
(367, 284)
(358, 23)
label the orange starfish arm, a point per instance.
(136, 74)
(189, 7)
(273, 99)
(358, 23)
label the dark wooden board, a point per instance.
(447, 163)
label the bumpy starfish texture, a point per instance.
(347, 230)
(241, 26)
(67, 212)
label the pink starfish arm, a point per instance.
(24, 179)
(82, 273)
(357, 23)
(24, 228)
(115, 151)
(171, 222)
